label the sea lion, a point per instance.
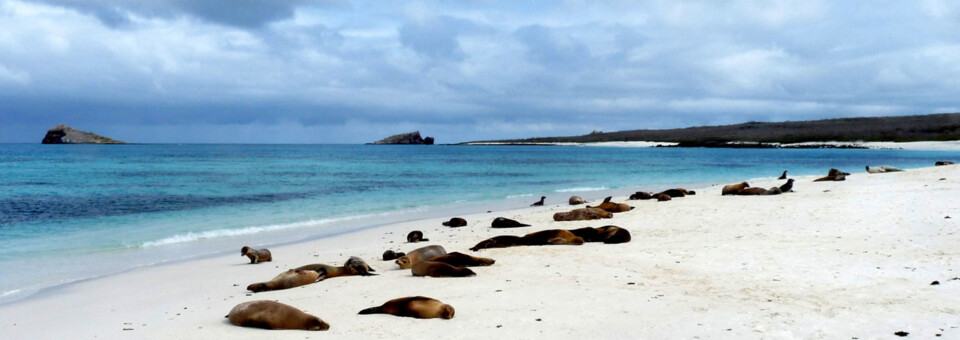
(751, 191)
(503, 222)
(552, 237)
(420, 254)
(784, 176)
(353, 267)
(416, 236)
(463, 260)
(576, 200)
(835, 172)
(678, 192)
(942, 163)
(838, 177)
(288, 279)
(540, 202)
(881, 169)
(392, 255)
(773, 191)
(420, 307)
(455, 222)
(613, 206)
(641, 195)
(502, 241)
(582, 214)
(787, 187)
(440, 269)
(256, 255)
(663, 197)
(607, 234)
(274, 315)
(732, 189)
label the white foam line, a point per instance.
(581, 189)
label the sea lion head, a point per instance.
(403, 262)
(691, 192)
(244, 250)
(257, 287)
(315, 324)
(447, 311)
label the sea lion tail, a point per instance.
(371, 310)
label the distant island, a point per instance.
(406, 138)
(63, 134)
(933, 127)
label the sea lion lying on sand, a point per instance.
(420, 254)
(612, 206)
(576, 200)
(256, 255)
(663, 197)
(420, 307)
(455, 222)
(552, 237)
(353, 267)
(274, 315)
(392, 255)
(439, 269)
(678, 192)
(463, 260)
(502, 241)
(416, 236)
(288, 279)
(582, 214)
(942, 163)
(607, 234)
(640, 195)
(732, 189)
(881, 169)
(773, 191)
(503, 222)
(833, 175)
(751, 191)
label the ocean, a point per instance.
(77, 212)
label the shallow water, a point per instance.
(84, 211)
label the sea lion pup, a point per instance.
(613, 206)
(663, 197)
(256, 255)
(416, 236)
(540, 202)
(752, 191)
(503, 222)
(942, 163)
(640, 195)
(773, 191)
(732, 189)
(419, 307)
(784, 176)
(502, 241)
(440, 269)
(463, 260)
(392, 255)
(274, 315)
(551, 237)
(353, 267)
(288, 279)
(787, 187)
(420, 254)
(455, 222)
(576, 200)
(607, 234)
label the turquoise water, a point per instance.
(83, 211)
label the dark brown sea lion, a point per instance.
(678, 192)
(663, 197)
(416, 307)
(274, 315)
(835, 172)
(552, 237)
(440, 269)
(839, 177)
(503, 222)
(752, 191)
(942, 163)
(784, 175)
(773, 191)
(455, 222)
(641, 195)
(353, 267)
(416, 236)
(502, 241)
(732, 189)
(607, 234)
(576, 200)
(582, 214)
(463, 260)
(787, 187)
(540, 202)
(256, 255)
(288, 279)
(392, 255)
(420, 254)
(613, 206)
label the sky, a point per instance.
(246, 71)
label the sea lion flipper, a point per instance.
(371, 310)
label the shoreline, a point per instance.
(914, 146)
(679, 269)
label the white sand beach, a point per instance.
(836, 260)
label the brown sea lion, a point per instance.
(732, 189)
(392, 255)
(576, 200)
(455, 222)
(641, 195)
(942, 163)
(540, 202)
(663, 197)
(552, 237)
(582, 214)
(256, 255)
(678, 192)
(463, 260)
(752, 191)
(502, 241)
(353, 267)
(773, 191)
(416, 307)
(288, 279)
(440, 269)
(420, 254)
(613, 206)
(607, 234)
(503, 222)
(274, 315)
(835, 172)
(831, 178)
(416, 236)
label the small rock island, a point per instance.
(63, 134)
(406, 138)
